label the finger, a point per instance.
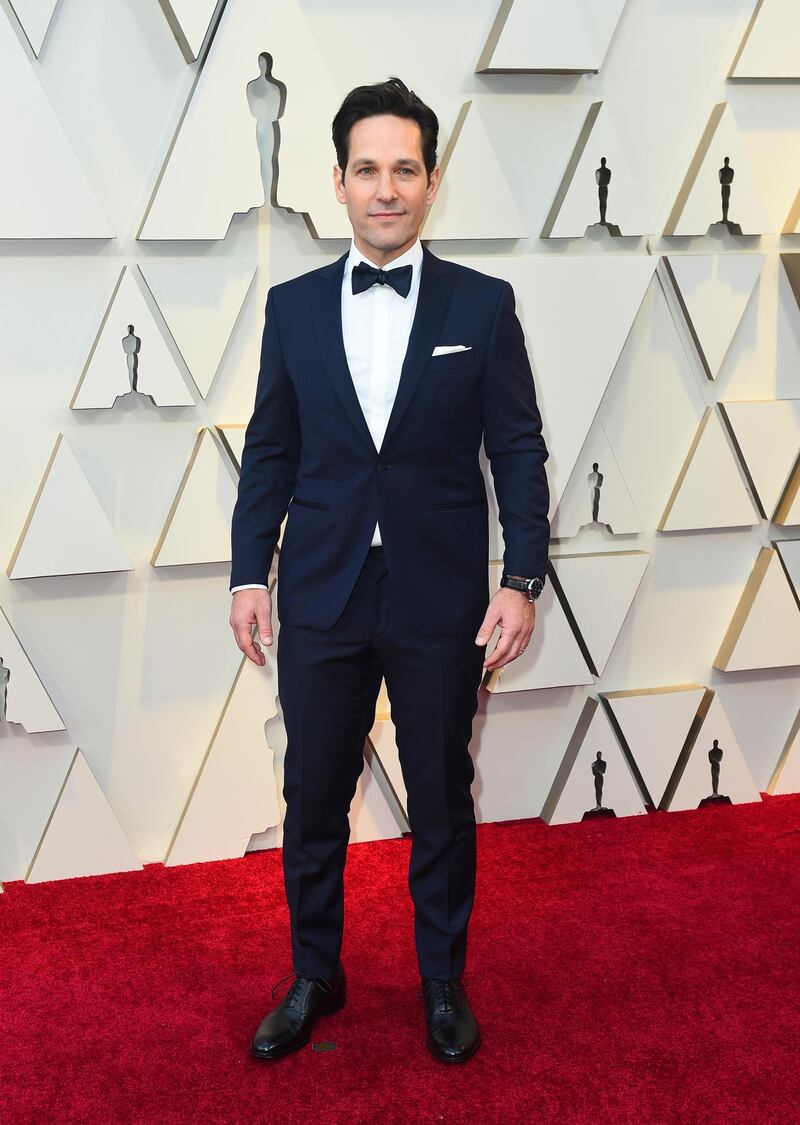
(251, 649)
(487, 628)
(512, 654)
(502, 647)
(523, 640)
(264, 619)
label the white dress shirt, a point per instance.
(376, 325)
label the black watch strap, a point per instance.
(530, 586)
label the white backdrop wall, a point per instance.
(139, 663)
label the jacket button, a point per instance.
(382, 466)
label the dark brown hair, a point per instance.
(391, 96)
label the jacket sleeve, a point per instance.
(269, 462)
(514, 443)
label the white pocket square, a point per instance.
(445, 349)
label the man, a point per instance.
(380, 375)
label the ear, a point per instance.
(433, 185)
(338, 183)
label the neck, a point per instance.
(382, 257)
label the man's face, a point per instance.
(385, 186)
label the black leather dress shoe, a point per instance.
(453, 1033)
(288, 1026)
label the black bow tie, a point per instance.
(364, 276)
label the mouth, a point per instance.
(386, 215)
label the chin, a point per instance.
(390, 238)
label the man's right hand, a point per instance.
(252, 607)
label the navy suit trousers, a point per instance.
(328, 683)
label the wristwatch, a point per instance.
(530, 586)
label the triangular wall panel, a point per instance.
(709, 491)
(597, 492)
(232, 439)
(786, 777)
(218, 130)
(576, 207)
(693, 780)
(713, 290)
(190, 22)
(23, 696)
(765, 628)
(787, 512)
(698, 204)
(200, 302)
(44, 192)
(34, 18)
(599, 620)
(536, 36)
(769, 48)
(197, 528)
(791, 266)
(791, 224)
(767, 435)
(573, 792)
(82, 836)
(235, 794)
(129, 355)
(469, 206)
(789, 555)
(67, 531)
(655, 726)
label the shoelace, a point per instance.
(446, 995)
(295, 990)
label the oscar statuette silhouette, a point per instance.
(602, 177)
(726, 174)
(715, 798)
(599, 767)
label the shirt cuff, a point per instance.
(249, 586)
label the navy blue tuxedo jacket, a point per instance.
(308, 451)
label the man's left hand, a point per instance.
(516, 616)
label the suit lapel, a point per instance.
(435, 289)
(436, 285)
(331, 342)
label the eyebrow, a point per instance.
(403, 160)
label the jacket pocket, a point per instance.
(449, 360)
(455, 507)
(311, 504)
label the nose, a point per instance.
(386, 188)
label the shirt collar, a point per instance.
(412, 256)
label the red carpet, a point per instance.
(640, 970)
